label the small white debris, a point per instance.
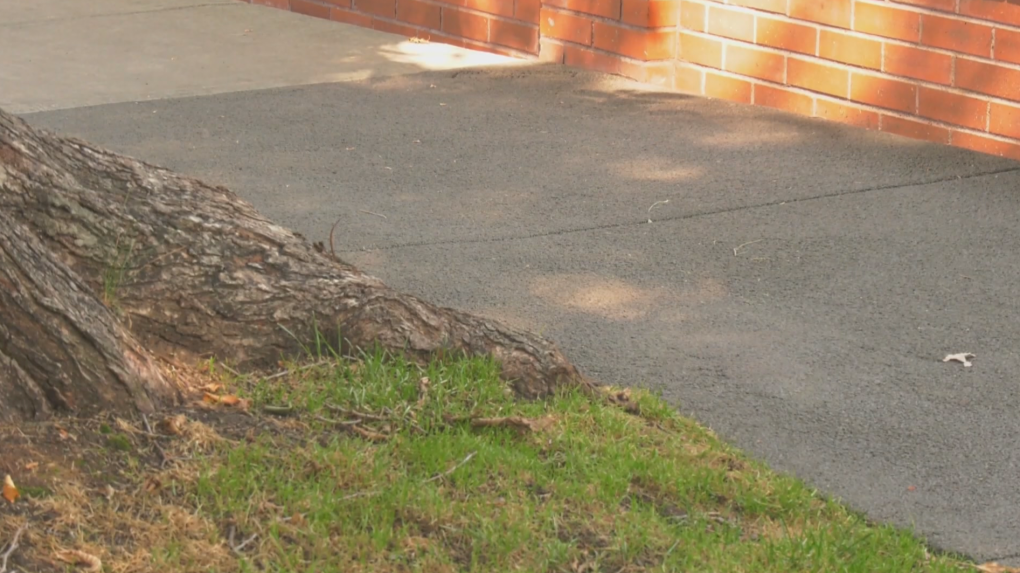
(963, 358)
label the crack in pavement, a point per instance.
(680, 217)
(112, 14)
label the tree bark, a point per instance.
(106, 261)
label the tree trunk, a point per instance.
(106, 261)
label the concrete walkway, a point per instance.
(797, 292)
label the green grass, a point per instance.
(594, 489)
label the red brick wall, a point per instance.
(940, 70)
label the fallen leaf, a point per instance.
(10, 492)
(81, 559)
(993, 567)
(152, 484)
(963, 358)
(211, 398)
(31, 466)
(212, 387)
(65, 435)
(173, 425)
(230, 400)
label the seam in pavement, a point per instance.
(113, 14)
(682, 217)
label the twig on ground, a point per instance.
(372, 213)
(359, 494)
(451, 470)
(352, 426)
(353, 422)
(738, 247)
(238, 548)
(148, 427)
(356, 413)
(232, 371)
(11, 547)
(278, 410)
(332, 251)
(368, 434)
(298, 369)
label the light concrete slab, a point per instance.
(57, 54)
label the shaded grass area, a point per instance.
(383, 466)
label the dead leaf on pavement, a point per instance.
(993, 567)
(80, 559)
(963, 358)
(10, 492)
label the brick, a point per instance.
(988, 78)
(886, 21)
(784, 99)
(348, 17)
(1004, 120)
(831, 12)
(384, 8)
(755, 62)
(918, 63)
(855, 50)
(817, 77)
(465, 24)
(986, 144)
(953, 108)
(566, 27)
(603, 8)
(1007, 45)
(731, 23)
(956, 35)
(498, 7)
(687, 78)
(1001, 12)
(914, 129)
(516, 35)
(418, 13)
(692, 16)
(945, 5)
(652, 13)
(778, 6)
(724, 87)
(589, 59)
(883, 92)
(700, 50)
(842, 113)
(528, 10)
(550, 50)
(638, 44)
(784, 35)
(403, 30)
(313, 8)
